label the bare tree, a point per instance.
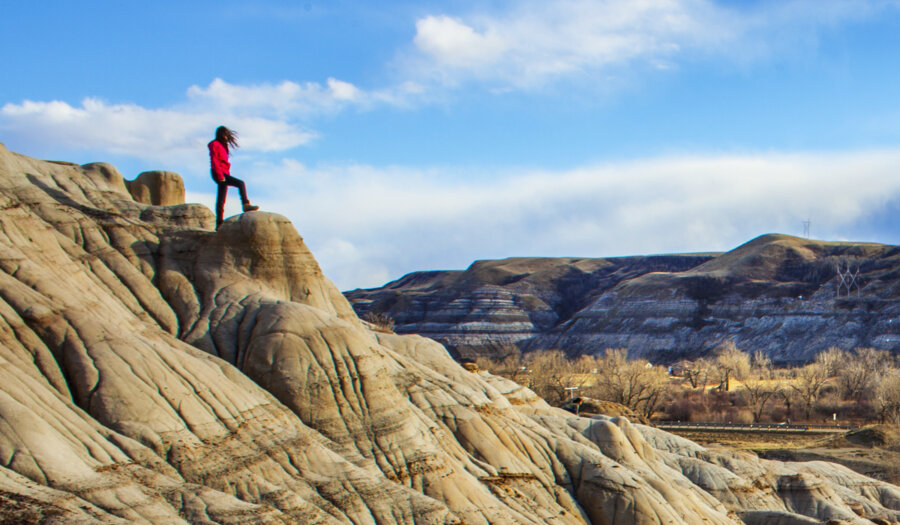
(808, 384)
(833, 360)
(887, 396)
(510, 365)
(730, 362)
(636, 383)
(787, 396)
(761, 364)
(551, 374)
(859, 370)
(546, 375)
(697, 372)
(759, 392)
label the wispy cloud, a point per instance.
(366, 223)
(533, 42)
(284, 100)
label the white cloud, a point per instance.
(534, 41)
(344, 91)
(453, 43)
(370, 225)
(269, 117)
(171, 134)
(285, 100)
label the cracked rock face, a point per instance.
(776, 294)
(155, 371)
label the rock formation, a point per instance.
(778, 294)
(160, 188)
(153, 370)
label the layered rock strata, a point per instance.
(155, 371)
(778, 294)
(494, 304)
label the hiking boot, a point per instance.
(250, 207)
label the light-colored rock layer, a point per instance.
(152, 370)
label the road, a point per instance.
(738, 427)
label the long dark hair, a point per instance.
(227, 137)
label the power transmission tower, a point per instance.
(847, 280)
(806, 224)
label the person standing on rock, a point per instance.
(219, 150)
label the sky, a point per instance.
(416, 135)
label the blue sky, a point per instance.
(401, 136)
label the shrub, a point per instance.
(381, 321)
(739, 415)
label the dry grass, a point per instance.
(751, 441)
(872, 451)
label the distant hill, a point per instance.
(775, 293)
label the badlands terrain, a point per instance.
(777, 294)
(153, 370)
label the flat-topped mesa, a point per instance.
(154, 370)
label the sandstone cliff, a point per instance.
(776, 293)
(155, 371)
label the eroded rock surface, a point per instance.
(160, 188)
(153, 370)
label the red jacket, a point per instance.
(218, 160)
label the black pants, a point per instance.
(223, 190)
